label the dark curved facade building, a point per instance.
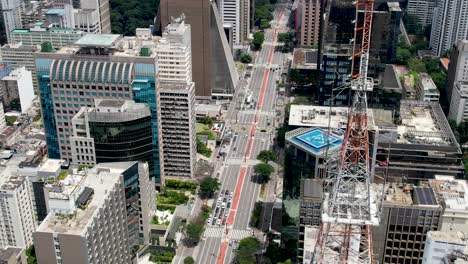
(113, 131)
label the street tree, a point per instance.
(263, 171)
(207, 121)
(246, 252)
(246, 58)
(208, 186)
(189, 260)
(257, 42)
(194, 231)
(266, 155)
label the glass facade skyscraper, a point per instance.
(96, 68)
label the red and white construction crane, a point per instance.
(351, 203)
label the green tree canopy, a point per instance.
(246, 252)
(208, 186)
(207, 121)
(257, 42)
(402, 55)
(263, 171)
(194, 231)
(264, 23)
(266, 155)
(246, 58)
(127, 15)
(189, 260)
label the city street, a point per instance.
(252, 131)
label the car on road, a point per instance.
(226, 192)
(234, 149)
(226, 213)
(209, 221)
(216, 210)
(220, 199)
(228, 205)
(223, 205)
(218, 222)
(230, 242)
(230, 195)
(224, 221)
(222, 211)
(224, 199)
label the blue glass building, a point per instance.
(97, 66)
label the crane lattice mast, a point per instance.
(350, 204)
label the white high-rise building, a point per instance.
(18, 55)
(231, 12)
(17, 86)
(11, 12)
(450, 24)
(87, 222)
(174, 58)
(440, 247)
(459, 102)
(457, 82)
(17, 219)
(422, 11)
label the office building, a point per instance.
(62, 17)
(36, 35)
(112, 131)
(384, 36)
(102, 6)
(100, 67)
(177, 135)
(11, 13)
(230, 15)
(87, 222)
(174, 57)
(213, 65)
(310, 214)
(139, 198)
(408, 214)
(334, 73)
(13, 255)
(451, 192)
(442, 247)
(426, 90)
(457, 77)
(421, 12)
(17, 222)
(450, 25)
(459, 103)
(18, 55)
(311, 145)
(16, 90)
(420, 145)
(310, 23)
(245, 20)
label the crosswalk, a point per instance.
(213, 232)
(234, 234)
(237, 234)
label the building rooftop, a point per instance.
(98, 40)
(51, 165)
(8, 181)
(427, 83)
(7, 252)
(315, 141)
(109, 103)
(394, 6)
(319, 116)
(453, 192)
(305, 59)
(101, 182)
(409, 195)
(448, 237)
(55, 11)
(424, 123)
(391, 81)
